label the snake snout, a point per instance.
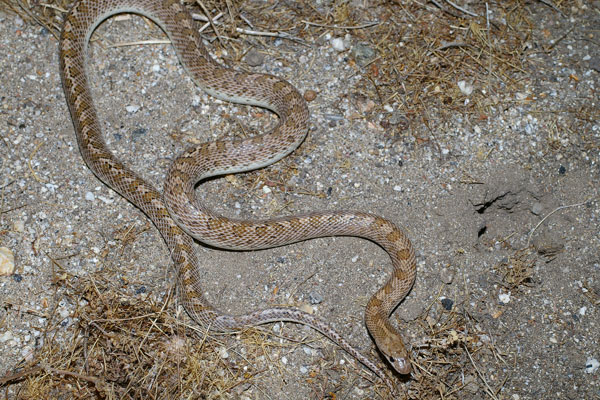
(401, 365)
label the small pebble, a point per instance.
(90, 196)
(363, 54)
(7, 261)
(303, 370)
(447, 276)
(6, 336)
(307, 308)
(284, 360)
(223, 353)
(310, 95)
(132, 108)
(266, 189)
(504, 297)
(315, 298)
(254, 58)
(138, 133)
(19, 226)
(465, 87)
(591, 365)
(447, 304)
(537, 208)
(338, 44)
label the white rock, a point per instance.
(132, 108)
(504, 297)
(90, 196)
(591, 365)
(7, 261)
(223, 352)
(338, 44)
(465, 87)
(19, 226)
(6, 336)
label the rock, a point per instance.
(310, 95)
(363, 54)
(132, 108)
(447, 303)
(315, 298)
(7, 261)
(465, 87)
(446, 275)
(254, 58)
(537, 208)
(548, 245)
(338, 44)
(591, 365)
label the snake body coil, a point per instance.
(180, 214)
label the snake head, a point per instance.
(400, 364)
(393, 349)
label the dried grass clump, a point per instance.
(454, 358)
(127, 347)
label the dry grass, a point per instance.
(121, 346)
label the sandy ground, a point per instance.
(469, 196)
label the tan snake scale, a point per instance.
(179, 214)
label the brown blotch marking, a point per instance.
(239, 229)
(393, 236)
(290, 139)
(174, 229)
(261, 230)
(68, 33)
(279, 85)
(148, 197)
(290, 97)
(296, 224)
(83, 9)
(278, 229)
(214, 223)
(218, 73)
(162, 213)
(297, 109)
(134, 185)
(221, 146)
(380, 222)
(403, 254)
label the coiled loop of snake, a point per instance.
(180, 207)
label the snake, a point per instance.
(180, 216)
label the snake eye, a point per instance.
(391, 359)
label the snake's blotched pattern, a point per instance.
(180, 207)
